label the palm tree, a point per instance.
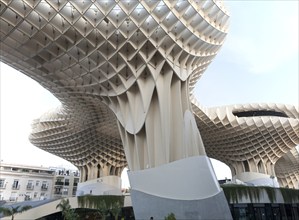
(14, 210)
(102, 209)
(67, 212)
(115, 209)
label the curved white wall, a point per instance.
(187, 179)
(108, 185)
(257, 179)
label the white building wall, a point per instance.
(65, 183)
(20, 182)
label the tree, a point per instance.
(170, 216)
(67, 212)
(14, 210)
(102, 209)
(115, 209)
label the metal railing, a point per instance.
(30, 187)
(44, 187)
(15, 187)
(59, 183)
(13, 199)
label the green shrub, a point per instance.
(170, 216)
(103, 203)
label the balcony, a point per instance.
(30, 187)
(15, 187)
(44, 188)
(59, 183)
(27, 198)
(13, 199)
(74, 192)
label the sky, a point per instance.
(258, 63)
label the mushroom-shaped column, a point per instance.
(155, 51)
(90, 142)
(253, 140)
(142, 59)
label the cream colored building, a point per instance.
(21, 183)
(65, 183)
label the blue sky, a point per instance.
(259, 60)
(258, 63)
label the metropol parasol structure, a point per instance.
(124, 72)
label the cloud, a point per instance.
(265, 37)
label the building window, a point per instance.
(28, 196)
(74, 191)
(2, 183)
(42, 196)
(16, 184)
(44, 185)
(30, 184)
(76, 181)
(58, 191)
(59, 182)
(67, 182)
(37, 183)
(35, 195)
(65, 191)
(13, 196)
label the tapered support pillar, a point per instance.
(187, 188)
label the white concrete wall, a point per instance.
(257, 179)
(107, 185)
(188, 179)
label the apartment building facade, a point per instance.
(65, 183)
(21, 182)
